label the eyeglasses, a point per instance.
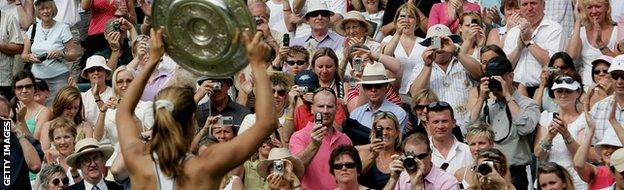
(317, 13)
(57, 181)
(617, 76)
(420, 107)
(439, 105)
(597, 72)
(281, 92)
(339, 166)
(567, 80)
(299, 62)
(26, 86)
(371, 86)
(121, 81)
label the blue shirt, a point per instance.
(331, 40)
(364, 114)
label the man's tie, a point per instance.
(95, 188)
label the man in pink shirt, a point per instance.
(423, 175)
(314, 143)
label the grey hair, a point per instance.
(46, 174)
(261, 4)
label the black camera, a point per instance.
(378, 132)
(258, 20)
(42, 57)
(116, 26)
(485, 167)
(409, 163)
(494, 85)
(286, 40)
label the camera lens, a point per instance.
(409, 163)
(484, 169)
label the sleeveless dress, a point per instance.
(31, 122)
(163, 181)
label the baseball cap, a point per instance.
(617, 64)
(617, 160)
(498, 66)
(308, 79)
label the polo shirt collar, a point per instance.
(329, 35)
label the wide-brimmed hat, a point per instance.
(354, 16)
(95, 61)
(610, 139)
(439, 30)
(314, 7)
(278, 154)
(617, 64)
(375, 74)
(88, 145)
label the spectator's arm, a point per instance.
(98, 132)
(86, 4)
(575, 45)
(297, 6)
(513, 45)
(308, 153)
(25, 12)
(526, 119)
(119, 170)
(11, 48)
(471, 64)
(542, 136)
(43, 117)
(422, 81)
(71, 52)
(30, 153)
(586, 171)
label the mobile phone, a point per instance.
(556, 115)
(286, 40)
(43, 57)
(318, 118)
(378, 132)
(278, 167)
(357, 64)
(436, 43)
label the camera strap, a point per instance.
(32, 33)
(488, 118)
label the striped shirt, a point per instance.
(391, 94)
(600, 113)
(548, 36)
(451, 86)
(561, 12)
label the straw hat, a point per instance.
(277, 154)
(88, 145)
(375, 74)
(354, 16)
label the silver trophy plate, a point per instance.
(202, 35)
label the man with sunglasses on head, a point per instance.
(448, 153)
(314, 143)
(601, 110)
(374, 85)
(443, 73)
(415, 169)
(318, 19)
(513, 117)
(219, 102)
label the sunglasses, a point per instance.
(281, 92)
(371, 86)
(98, 69)
(597, 72)
(317, 13)
(300, 62)
(420, 107)
(339, 166)
(121, 81)
(439, 105)
(567, 80)
(57, 181)
(419, 156)
(617, 76)
(26, 86)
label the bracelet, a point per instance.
(545, 145)
(98, 100)
(568, 141)
(289, 118)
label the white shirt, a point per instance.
(336, 6)
(276, 20)
(377, 19)
(451, 86)
(100, 185)
(68, 12)
(409, 62)
(590, 53)
(143, 110)
(548, 36)
(91, 110)
(459, 156)
(617, 9)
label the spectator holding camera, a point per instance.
(550, 175)
(385, 141)
(515, 116)
(116, 34)
(490, 171)
(220, 102)
(603, 83)
(281, 170)
(415, 170)
(473, 36)
(357, 30)
(346, 166)
(314, 143)
(479, 137)
(444, 73)
(560, 133)
(50, 48)
(559, 63)
(531, 43)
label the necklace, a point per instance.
(45, 34)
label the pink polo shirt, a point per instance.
(317, 174)
(435, 180)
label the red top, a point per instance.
(102, 11)
(303, 115)
(603, 178)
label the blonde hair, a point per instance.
(585, 20)
(62, 123)
(114, 80)
(427, 94)
(480, 130)
(64, 99)
(395, 121)
(172, 129)
(410, 9)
